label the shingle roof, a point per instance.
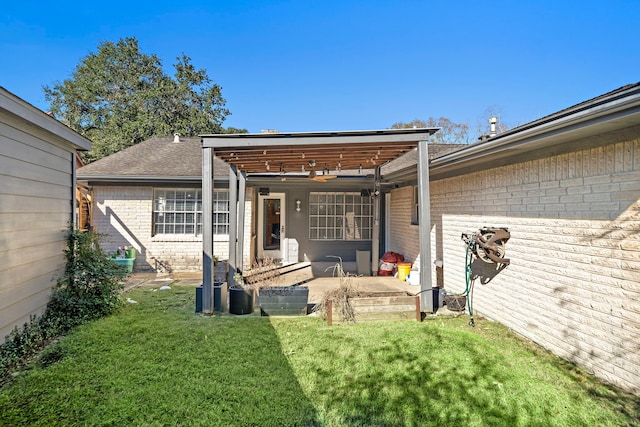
(608, 97)
(157, 157)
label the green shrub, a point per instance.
(88, 289)
(90, 286)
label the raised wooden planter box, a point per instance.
(283, 300)
(380, 306)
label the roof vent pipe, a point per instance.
(493, 121)
(176, 137)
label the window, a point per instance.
(340, 216)
(415, 217)
(179, 211)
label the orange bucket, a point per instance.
(404, 268)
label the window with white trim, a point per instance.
(415, 216)
(340, 216)
(179, 211)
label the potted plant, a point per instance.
(125, 256)
(241, 296)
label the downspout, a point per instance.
(74, 195)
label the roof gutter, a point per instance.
(25, 111)
(609, 113)
(143, 178)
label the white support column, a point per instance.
(207, 230)
(424, 203)
(242, 180)
(233, 223)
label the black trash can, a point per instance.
(199, 299)
(240, 301)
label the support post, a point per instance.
(375, 238)
(242, 181)
(233, 223)
(424, 203)
(207, 230)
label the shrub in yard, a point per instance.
(88, 289)
(90, 286)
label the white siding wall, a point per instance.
(35, 211)
(573, 285)
(124, 215)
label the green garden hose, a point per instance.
(468, 291)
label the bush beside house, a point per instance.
(88, 289)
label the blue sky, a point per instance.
(339, 65)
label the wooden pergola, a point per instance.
(315, 153)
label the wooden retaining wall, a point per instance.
(379, 307)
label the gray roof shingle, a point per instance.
(156, 157)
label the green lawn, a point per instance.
(157, 363)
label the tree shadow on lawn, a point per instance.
(395, 387)
(389, 384)
(158, 363)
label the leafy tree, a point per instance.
(450, 132)
(231, 129)
(120, 96)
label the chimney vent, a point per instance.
(493, 121)
(176, 138)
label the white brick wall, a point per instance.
(404, 236)
(573, 285)
(124, 215)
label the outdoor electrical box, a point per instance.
(427, 301)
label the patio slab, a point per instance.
(318, 286)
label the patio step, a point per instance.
(286, 275)
(295, 274)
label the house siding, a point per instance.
(35, 212)
(124, 214)
(573, 285)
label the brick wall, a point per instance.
(573, 285)
(404, 236)
(124, 215)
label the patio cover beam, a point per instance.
(291, 152)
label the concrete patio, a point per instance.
(317, 286)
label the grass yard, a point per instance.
(157, 363)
